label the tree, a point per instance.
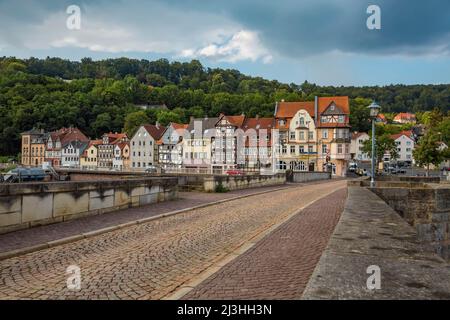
(427, 152)
(133, 121)
(165, 117)
(383, 144)
(359, 115)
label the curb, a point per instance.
(188, 286)
(90, 234)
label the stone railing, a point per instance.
(242, 182)
(305, 176)
(26, 205)
(374, 254)
(425, 206)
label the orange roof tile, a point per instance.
(289, 109)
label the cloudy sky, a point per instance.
(322, 41)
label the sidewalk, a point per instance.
(43, 234)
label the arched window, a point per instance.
(301, 166)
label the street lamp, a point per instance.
(374, 110)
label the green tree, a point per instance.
(383, 144)
(133, 121)
(165, 117)
(427, 152)
(360, 115)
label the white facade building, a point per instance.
(356, 147)
(71, 152)
(143, 147)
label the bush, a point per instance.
(220, 188)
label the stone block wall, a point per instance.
(424, 206)
(27, 205)
(242, 182)
(302, 176)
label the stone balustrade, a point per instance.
(24, 205)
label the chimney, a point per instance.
(276, 108)
(157, 124)
(316, 109)
(257, 116)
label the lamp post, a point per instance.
(374, 110)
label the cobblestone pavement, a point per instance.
(280, 265)
(150, 260)
(47, 233)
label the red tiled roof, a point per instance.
(236, 120)
(177, 126)
(289, 109)
(122, 145)
(405, 116)
(155, 131)
(341, 102)
(407, 133)
(263, 123)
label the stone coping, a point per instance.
(372, 233)
(9, 189)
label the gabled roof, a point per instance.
(236, 121)
(177, 126)
(156, 131)
(407, 133)
(207, 123)
(122, 145)
(71, 134)
(405, 116)
(341, 102)
(289, 109)
(115, 137)
(259, 123)
(333, 109)
(356, 135)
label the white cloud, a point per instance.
(109, 27)
(242, 45)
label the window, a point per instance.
(324, 149)
(284, 149)
(292, 149)
(339, 148)
(302, 121)
(341, 119)
(302, 135)
(310, 135)
(310, 149)
(292, 135)
(301, 149)
(325, 134)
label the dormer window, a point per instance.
(302, 121)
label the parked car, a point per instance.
(401, 170)
(234, 172)
(352, 167)
(151, 169)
